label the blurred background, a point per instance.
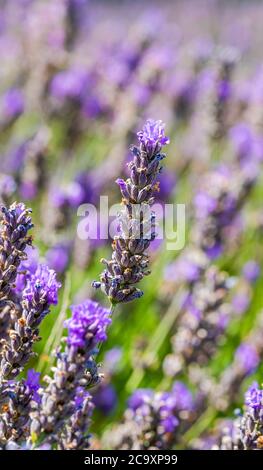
(78, 79)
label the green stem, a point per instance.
(202, 424)
(151, 352)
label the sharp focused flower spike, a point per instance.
(129, 261)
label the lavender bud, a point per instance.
(138, 189)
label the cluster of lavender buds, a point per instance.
(39, 294)
(92, 72)
(217, 206)
(153, 419)
(129, 261)
(75, 435)
(16, 401)
(225, 65)
(15, 224)
(14, 239)
(251, 423)
(61, 411)
(203, 321)
(245, 432)
(74, 370)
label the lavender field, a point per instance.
(139, 328)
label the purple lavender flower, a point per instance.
(187, 268)
(251, 271)
(246, 360)
(75, 367)
(251, 423)
(240, 302)
(42, 285)
(69, 84)
(14, 239)
(242, 140)
(7, 187)
(26, 268)
(129, 261)
(138, 398)
(111, 359)
(32, 382)
(153, 419)
(217, 206)
(247, 357)
(17, 399)
(13, 103)
(254, 397)
(58, 257)
(75, 435)
(40, 292)
(88, 316)
(203, 321)
(153, 137)
(105, 398)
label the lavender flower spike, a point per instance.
(40, 292)
(153, 420)
(76, 434)
(16, 398)
(14, 238)
(129, 261)
(251, 423)
(75, 367)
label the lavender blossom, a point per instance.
(153, 420)
(12, 104)
(58, 257)
(129, 261)
(16, 398)
(14, 239)
(37, 297)
(251, 271)
(75, 367)
(76, 435)
(201, 326)
(7, 187)
(251, 423)
(217, 206)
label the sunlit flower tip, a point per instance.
(42, 284)
(254, 397)
(88, 319)
(153, 134)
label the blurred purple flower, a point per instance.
(69, 84)
(13, 103)
(58, 257)
(105, 398)
(138, 398)
(251, 271)
(247, 357)
(240, 302)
